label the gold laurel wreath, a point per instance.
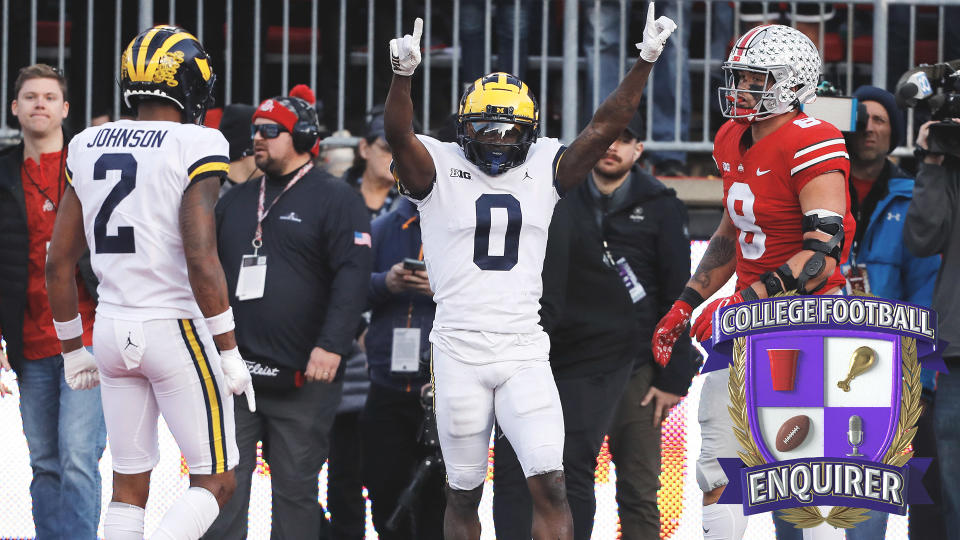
(843, 517)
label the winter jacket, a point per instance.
(594, 325)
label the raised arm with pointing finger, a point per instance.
(414, 167)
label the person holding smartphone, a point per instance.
(401, 305)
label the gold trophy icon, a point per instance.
(862, 360)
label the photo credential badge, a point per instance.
(252, 278)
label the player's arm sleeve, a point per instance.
(347, 232)
(420, 198)
(825, 151)
(929, 221)
(206, 156)
(673, 256)
(556, 268)
(554, 167)
(69, 164)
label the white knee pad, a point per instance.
(723, 522)
(123, 522)
(189, 517)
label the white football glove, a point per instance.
(237, 376)
(80, 369)
(655, 35)
(405, 51)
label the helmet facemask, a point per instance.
(760, 101)
(496, 146)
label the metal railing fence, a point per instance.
(564, 71)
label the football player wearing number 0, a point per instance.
(141, 196)
(785, 222)
(485, 206)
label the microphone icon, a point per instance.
(855, 435)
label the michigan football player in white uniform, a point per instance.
(141, 196)
(485, 206)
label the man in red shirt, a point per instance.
(64, 428)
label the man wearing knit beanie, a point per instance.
(880, 193)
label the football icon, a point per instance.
(792, 433)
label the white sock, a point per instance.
(189, 517)
(123, 522)
(723, 522)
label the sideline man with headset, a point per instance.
(295, 246)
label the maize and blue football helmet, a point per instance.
(497, 121)
(167, 62)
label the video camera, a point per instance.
(919, 85)
(845, 113)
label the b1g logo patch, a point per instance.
(457, 173)
(825, 397)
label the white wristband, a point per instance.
(222, 323)
(70, 329)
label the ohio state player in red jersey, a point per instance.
(786, 218)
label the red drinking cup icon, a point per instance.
(783, 368)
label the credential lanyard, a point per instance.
(262, 213)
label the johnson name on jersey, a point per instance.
(484, 238)
(761, 190)
(130, 177)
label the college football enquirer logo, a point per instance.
(825, 397)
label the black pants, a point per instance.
(588, 407)
(635, 449)
(389, 431)
(348, 510)
(294, 427)
(926, 520)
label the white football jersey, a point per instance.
(130, 177)
(485, 237)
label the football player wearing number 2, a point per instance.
(785, 222)
(141, 195)
(485, 207)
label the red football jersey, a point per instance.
(761, 190)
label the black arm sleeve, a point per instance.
(673, 271)
(351, 259)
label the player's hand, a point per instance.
(702, 329)
(80, 369)
(662, 403)
(405, 51)
(655, 35)
(237, 376)
(669, 329)
(322, 366)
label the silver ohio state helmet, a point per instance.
(790, 63)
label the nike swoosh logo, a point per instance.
(761, 173)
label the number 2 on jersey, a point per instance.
(122, 242)
(481, 238)
(752, 239)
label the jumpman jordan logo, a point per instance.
(526, 174)
(130, 343)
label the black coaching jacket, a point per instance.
(593, 324)
(14, 255)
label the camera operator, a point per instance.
(401, 317)
(932, 228)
